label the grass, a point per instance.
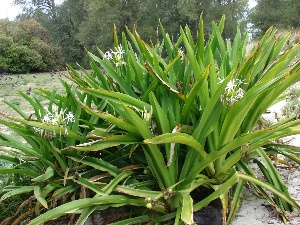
(10, 85)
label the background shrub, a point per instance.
(25, 47)
(22, 59)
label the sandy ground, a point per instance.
(255, 211)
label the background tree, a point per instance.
(212, 10)
(65, 28)
(96, 29)
(30, 6)
(278, 13)
(78, 24)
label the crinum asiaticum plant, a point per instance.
(184, 114)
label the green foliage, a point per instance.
(72, 24)
(31, 6)
(25, 47)
(145, 15)
(278, 13)
(20, 59)
(153, 123)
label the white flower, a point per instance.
(119, 51)
(230, 86)
(48, 118)
(240, 93)
(233, 91)
(69, 117)
(107, 55)
(36, 129)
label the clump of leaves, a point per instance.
(169, 119)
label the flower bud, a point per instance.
(149, 205)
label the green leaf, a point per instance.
(84, 203)
(114, 75)
(168, 86)
(180, 138)
(85, 215)
(191, 55)
(17, 109)
(232, 179)
(271, 188)
(240, 109)
(137, 192)
(48, 174)
(200, 41)
(108, 142)
(187, 210)
(154, 155)
(234, 204)
(112, 119)
(89, 185)
(117, 97)
(191, 97)
(113, 183)
(64, 190)
(134, 220)
(4, 170)
(48, 127)
(98, 164)
(21, 190)
(38, 195)
(275, 177)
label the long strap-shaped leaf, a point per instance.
(90, 185)
(48, 127)
(275, 177)
(271, 188)
(27, 151)
(108, 142)
(98, 164)
(180, 138)
(20, 190)
(112, 119)
(4, 170)
(192, 95)
(240, 109)
(153, 153)
(232, 179)
(191, 55)
(259, 138)
(114, 75)
(84, 203)
(117, 97)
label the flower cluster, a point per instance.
(116, 56)
(57, 118)
(233, 91)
